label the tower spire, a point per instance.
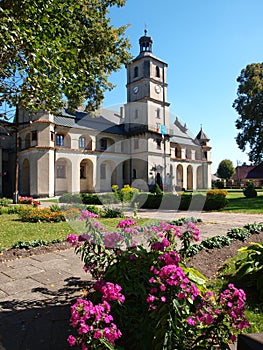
(145, 42)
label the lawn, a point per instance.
(238, 203)
(12, 230)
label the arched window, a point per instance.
(157, 72)
(136, 71)
(134, 175)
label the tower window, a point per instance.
(103, 144)
(157, 72)
(82, 142)
(34, 135)
(158, 113)
(136, 114)
(158, 141)
(136, 72)
(60, 140)
(136, 144)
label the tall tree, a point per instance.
(225, 169)
(58, 49)
(249, 106)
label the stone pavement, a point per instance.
(36, 292)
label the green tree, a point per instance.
(225, 169)
(58, 49)
(249, 106)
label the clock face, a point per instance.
(157, 89)
(135, 89)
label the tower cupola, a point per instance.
(145, 43)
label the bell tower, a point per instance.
(147, 86)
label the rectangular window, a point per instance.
(82, 142)
(103, 171)
(103, 144)
(136, 116)
(158, 141)
(158, 113)
(61, 171)
(60, 140)
(52, 136)
(136, 144)
(34, 135)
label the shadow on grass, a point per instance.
(246, 205)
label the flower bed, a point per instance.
(145, 297)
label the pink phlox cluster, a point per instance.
(170, 276)
(165, 227)
(94, 321)
(232, 301)
(191, 229)
(73, 239)
(112, 239)
(126, 223)
(98, 226)
(85, 214)
(229, 304)
(169, 258)
(110, 291)
(160, 245)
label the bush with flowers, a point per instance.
(28, 200)
(145, 297)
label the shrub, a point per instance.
(249, 190)
(219, 184)
(94, 209)
(217, 192)
(109, 212)
(70, 198)
(88, 198)
(215, 202)
(4, 202)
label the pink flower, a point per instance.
(97, 334)
(85, 214)
(126, 223)
(163, 299)
(73, 239)
(191, 321)
(71, 340)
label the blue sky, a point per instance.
(206, 44)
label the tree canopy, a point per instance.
(58, 49)
(225, 169)
(249, 106)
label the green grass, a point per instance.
(238, 203)
(12, 230)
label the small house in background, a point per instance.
(246, 173)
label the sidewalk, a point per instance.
(36, 292)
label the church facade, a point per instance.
(137, 145)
